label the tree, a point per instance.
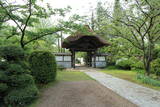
(141, 28)
(117, 12)
(101, 20)
(25, 15)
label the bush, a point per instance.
(3, 76)
(17, 86)
(124, 63)
(156, 53)
(21, 80)
(11, 53)
(3, 87)
(148, 80)
(155, 66)
(137, 65)
(3, 90)
(15, 69)
(21, 96)
(3, 65)
(43, 66)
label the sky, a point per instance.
(82, 7)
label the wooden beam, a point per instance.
(73, 58)
(94, 59)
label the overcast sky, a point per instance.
(82, 7)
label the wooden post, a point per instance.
(73, 58)
(89, 59)
(94, 59)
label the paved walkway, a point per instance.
(139, 95)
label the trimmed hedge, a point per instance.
(21, 80)
(3, 87)
(15, 69)
(12, 53)
(3, 76)
(4, 65)
(43, 66)
(21, 96)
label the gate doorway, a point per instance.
(87, 42)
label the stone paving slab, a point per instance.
(139, 95)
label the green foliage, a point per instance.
(15, 69)
(130, 63)
(43, 66)
(3, 65)
(3, 87)
(148, 80)
(124, 63)
(27, 14)
(156, 66)
(11, 53)
(21, 96)
(3, 76)
(156, 52)
(117, 12)
(138, 65)
(21, 80)
(60, 67)
(17, 86)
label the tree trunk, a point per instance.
(61, 41)
(148, 67)
(58, 45)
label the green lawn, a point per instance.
(63, 76)
(71, 76)
(127, 75)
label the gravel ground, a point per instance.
(87, 93)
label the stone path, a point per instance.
(139, 95)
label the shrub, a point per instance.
(3, 76)
(21, 80)
(148, 80)
(3, 87)
(137, 65)
(155, 65)
(21, 96)
(17, 85)
(43, 66)
(124, 63)
(3, 65)
(15, 69)
(11, 53)
(3, 90)
(156, 53)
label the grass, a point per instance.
(128, 75)
(72, 76)
(63, 76)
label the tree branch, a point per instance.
(42, 35)
(26, 23)
(9, 14)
